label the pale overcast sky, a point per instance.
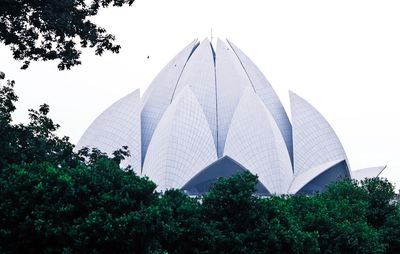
(341, 56)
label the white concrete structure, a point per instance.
(199, 75)
(160, 93)
(210, 113)
(118, 126)
(267, 95)
(314, 141)
(182, 144)
(255, 141)
(361, 174)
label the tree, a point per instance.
(182, 228)
(340, 216)
(93, 208)
(54, 200)
(244, 223)
(379, 193)
(35, 141)
(54, 30)
(391, 231)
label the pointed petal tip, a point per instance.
(293, 95)
(221, 45)
(220, 41)
(205, 40)
(383, 169)
(230, 43)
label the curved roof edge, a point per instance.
(117, 126)
(361, 174)
(314, 140)
(304, 178)
(182, 130)
(223, 167)
(158, 95)
(255, 141)
(267, 94)
(199, 75)
(182, 57)
(231, 80)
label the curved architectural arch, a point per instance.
(231, 80)
(255, 141)
(199, 75)
(223, 167)
(319, 183)
(210, 106)
(117, 126)
(307, 176)
(361, 174)
(267, 95)
(159, 94)
(314, 140)
(182, 144)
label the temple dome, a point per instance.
(211, 112)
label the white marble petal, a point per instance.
(255, 141)
(314, 140)
(231, 80)
(264, 90)
(159, 94)
(199, 75)
(182, 144)
(361, 174)
(117, 126)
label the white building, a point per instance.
(212, 113)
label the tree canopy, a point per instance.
(56, 200)
(55, 30)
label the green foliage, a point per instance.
(379, 194)
(55, 200)
(7, 100)
(52, 30)
(339, 220)
(181, 225)
(35, 141)
(93, 207)
(245, 223)
(391, 231)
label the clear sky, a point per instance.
(341, 56)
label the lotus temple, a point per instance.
(211, 113)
